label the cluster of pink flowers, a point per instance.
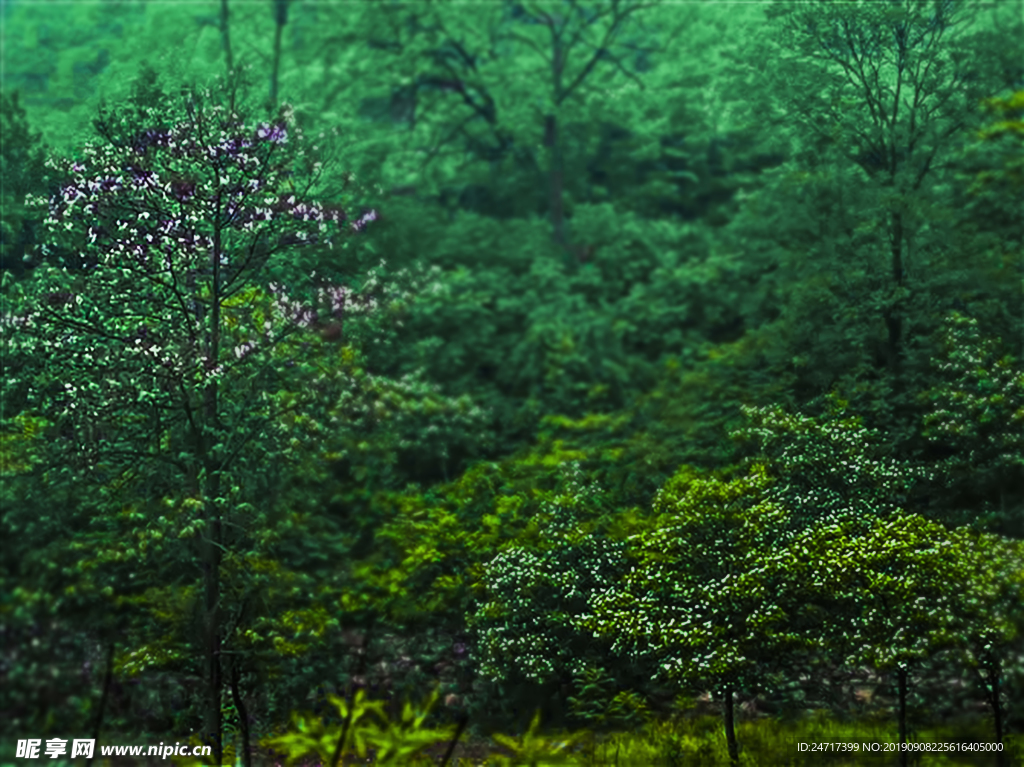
(173, 196)
(360, 223)
(274, 133)
(229, 182)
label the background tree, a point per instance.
(528, 594)
(22, 173)
(995, 630)
(992, 187)
(898, 590)
(819, 226)
(348, 68)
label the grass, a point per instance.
(699, 741)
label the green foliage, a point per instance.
(21, 174)
(603, 267)
(188, 441)
(599, 705)
(20, 444)
(399, 742)
(522, 331)
(739, 579)
(977, 417)
(379, 432)
(532, 591)
(529, 336)
(832, 472)
(678, 604)
(52, 633)
(893, 597)
(861, 231)
(433, 567)
(533, 748)
(1008, 124)
(994, 600)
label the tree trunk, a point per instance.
(554, 144)
(893, 316)
(209, 492)
(997, 709)
(555, 181)
(350, 695)
(730, 729)
(463, 721)
(108, 677)
(243, 713)
(212, 496)
(901, 675)
(280, 19)
(211, 583)
(225, 35)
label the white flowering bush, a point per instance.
(805, 554)
(533, 596)
(830, 471)
(977, 415)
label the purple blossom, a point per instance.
(275, 133)
(143, 178)
(234, 146)
(96, 185)
(360, 223)
(167, 230)
(72, 193)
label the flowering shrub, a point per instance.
(977, 413)
(171, 226)
(535, 591)
(831, 471)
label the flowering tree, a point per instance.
(171, 363)
(976, 414)
(531, 589)
(806, 554)
(996, 595)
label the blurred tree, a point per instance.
(856, 266)
(22, 173)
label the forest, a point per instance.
(583, 382)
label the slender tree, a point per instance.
(565, 33)
(171, 226)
